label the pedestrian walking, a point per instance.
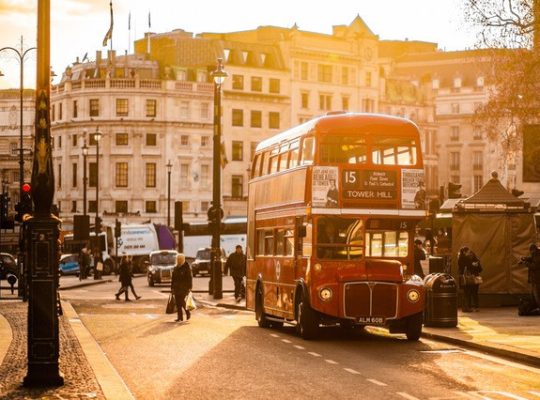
(130, 263)
(419, 255)
(98, 264)
(181, 284)
(84, 262)
(124, 278)
(469, 278)
(532, 262)
(236, 264)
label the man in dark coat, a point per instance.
(236, 264)
(84, 262)
(181, 284)
(124, 277)
(419, 254)
(533, 264)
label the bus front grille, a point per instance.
(370, 299)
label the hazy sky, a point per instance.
(78, 26)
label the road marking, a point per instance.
(314, 354)
(376, 382)
(534, 393)
(502, 361)
(274, 335)
(331, 362)
(299, 347)
(286, 341)
(506, 394)
(352, 371)
(407, 396)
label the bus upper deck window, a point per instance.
(308, 145)
(394, 151)
(343, 150)
(274, 158)
(293, 154)
(255, 166)
(264, 163)
(283, 157)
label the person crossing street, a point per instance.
(236, 264)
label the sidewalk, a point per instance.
(497, 331)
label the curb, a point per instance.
(222, 305)
(109, 379)
(504, 353)
(83, 284)
(5, 338)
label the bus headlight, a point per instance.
(317, 267)
(325, 294)
(413, 295)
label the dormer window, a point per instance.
(457, 83)
(435, 84)
(244, 56)
(263, 58)
(480, 81)
(226, 53)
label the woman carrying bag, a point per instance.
(181, 284)
(469, 278)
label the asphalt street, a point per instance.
(223, 354)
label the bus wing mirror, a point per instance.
(302, 231)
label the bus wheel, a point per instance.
(414, 327)
(307, 324)
(259, 309)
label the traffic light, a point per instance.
(3, 207)
(117, 229)
(25, 204)
(453, 190)
(517, 193)
(98, 224)
(178, 216)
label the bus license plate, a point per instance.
(371, 320)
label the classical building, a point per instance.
(10, 122)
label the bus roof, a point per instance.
(337, 121)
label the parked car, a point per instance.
(160, 266)
(201, 265)
(8, 266)
(69, 264)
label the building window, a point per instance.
(92, 174)
(94, 107)
(256, 119)
(92, 206)
(60, 112)
(368, 105)
(59, 142)
(237, 187)
(75, 109)
(274, 85)
(184, 109)
(304, 68)
(74, 140)
(345, 103)
(345, 75)
(237, 150)
(478, 183)
(184, 175)
(478, 160)
(368, 79)
(151, 139)
(253, 148)
(304, 96)
(121, 139)
(238, 82)
(454, 160)
(73, 206)
(205, 175)
(121, 206)
(150, 174)
(150, 206)
(205, 141)
(185, 206)
(237, 117)
(122, 107)
(205, 111)
(256, 84)
(455, 108)
(74, 175)
(151, 107)
(477, 132)
(454, 133)
(205, 205)
(324, 73)
(53, 112)
(273, 120)
(325, 102)
(122, 174)
(59, 175)
(184, 140)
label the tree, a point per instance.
(511, 29)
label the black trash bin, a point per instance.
(436, 264)
(441, 300)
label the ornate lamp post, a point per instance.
(21, 56)
(85, 178)
(97, 138)
(215, 213)
(169, 168)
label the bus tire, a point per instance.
(260, 315)
(414, 327)
(307, 324)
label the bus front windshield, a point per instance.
(340, 238)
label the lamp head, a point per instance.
(85, 149)
(219, 74)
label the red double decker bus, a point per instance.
(332, 209)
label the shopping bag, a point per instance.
(190, 302)
(99, 266)
(171, 305)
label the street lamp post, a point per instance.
(215, 213)
(85, 178)
(97, 138)
(21, 55)
(169, 168)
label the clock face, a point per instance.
(368, 53)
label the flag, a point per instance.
(129, 21)
(108, 35)
(223, 157)
(149, 21)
